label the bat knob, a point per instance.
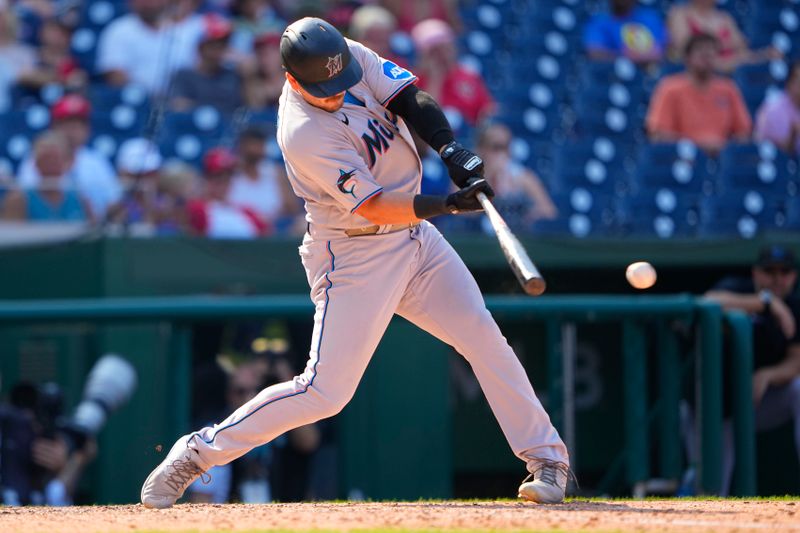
(535, 286)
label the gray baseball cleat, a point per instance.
(167, 483)
(547, 483)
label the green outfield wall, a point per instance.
(411, 415)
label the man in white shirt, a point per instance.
(91, 173)
(145, 47)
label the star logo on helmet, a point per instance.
(334, 65)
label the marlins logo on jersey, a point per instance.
(345, 180)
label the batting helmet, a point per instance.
(316, 54)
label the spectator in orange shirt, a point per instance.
(699, 105)
(443, 78)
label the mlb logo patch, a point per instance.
(395, 72)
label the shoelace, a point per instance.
(548, 472)
(183, 472)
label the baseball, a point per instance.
(641, 275)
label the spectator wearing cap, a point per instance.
(90, 172)
(698, 104)
(55, 64)
(210, 82)
(778, 118)
(144, 47)
(264, 76)
(373, 26)
(260, 184)
(626, 30)
(213, 215)
(52, 199)
(439, 73)
(767, 295)
(138, 166)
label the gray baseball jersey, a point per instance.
(336, 161)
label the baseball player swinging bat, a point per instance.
(528, 275)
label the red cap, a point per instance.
(71, 106)
(215, 27)
(219, 160)
(267, 38)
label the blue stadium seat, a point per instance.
(105, 97)
(604, 73)
(121, 121)
(533, 122)
(600, 165)
(757, 166)
(756, 82)
(680, 166)
(662, 213)
(582, 214)
(97, 14)
(612, 110)
(14, 147)
(744, 213)
(188, 135)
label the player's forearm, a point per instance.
(389, 208)
(749, 303)
(406, 208)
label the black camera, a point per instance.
(37, 412)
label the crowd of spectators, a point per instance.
(192, 55)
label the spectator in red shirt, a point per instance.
(698, 104)
(212, 215)
(440, 74)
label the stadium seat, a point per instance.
(744, 213)
(757, 166)
(662, 213)
(122, 120)
(680, 166)
(188, 135)
(105, 97)
(533, 122)
(604, 73)
(582, 214)
(600, 165)
(97, 14)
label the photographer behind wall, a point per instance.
(768, 297)
(44, 453)
(256, 477)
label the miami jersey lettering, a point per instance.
(338, 160)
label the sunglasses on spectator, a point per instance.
(496, 146)
(772, 271)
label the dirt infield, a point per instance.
(648, 515)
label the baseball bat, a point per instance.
(528, 275)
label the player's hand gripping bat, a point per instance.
(528, 275)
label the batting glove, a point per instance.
(466, 200)
(461, 163)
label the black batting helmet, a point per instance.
(316, 54)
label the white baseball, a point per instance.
(641, 275)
